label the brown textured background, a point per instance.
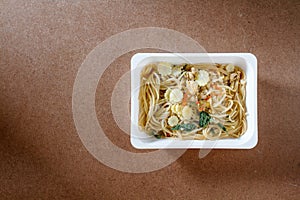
(43, 43)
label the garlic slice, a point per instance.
(173, 108)
(173, 120)
(167, 94)
(187, 113)
(230, 68)
(192, 86)
(176, 96)
(177, 109)
(164, 68)
(202, 78)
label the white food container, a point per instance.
(246, 61)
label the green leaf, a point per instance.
(185, 127)
(222, 126)
(188, 127)
(204, 119)
(176, 128)
(157, 136)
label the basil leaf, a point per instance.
(176, 128)
(204, 119)
(188, 127)
(185, 127)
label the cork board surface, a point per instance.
(43, 44)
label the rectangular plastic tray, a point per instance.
(246, 61)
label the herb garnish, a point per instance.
(185, 127)
(222, 126)
(157, 136)
(204, 119)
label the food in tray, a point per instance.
(192, 101)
